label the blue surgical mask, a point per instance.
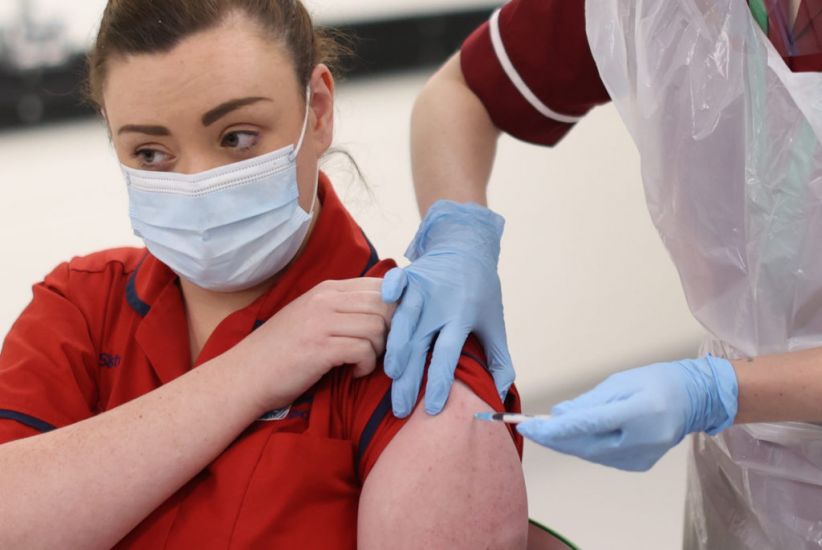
(226, 229)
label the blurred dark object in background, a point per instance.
(40, 73)
(42, 94)
(41, 80)
(409, 43)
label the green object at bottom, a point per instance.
(553, 533)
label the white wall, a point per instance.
(588, 287)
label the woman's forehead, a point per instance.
(232, 60)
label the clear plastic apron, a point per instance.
(729, 140)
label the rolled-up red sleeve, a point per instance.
(373, 425)
(46, 364)
(532, 68)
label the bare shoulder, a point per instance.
(446, 481)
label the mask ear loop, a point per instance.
(299, 146)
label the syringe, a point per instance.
(509, 418)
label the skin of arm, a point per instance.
(446, 481)
(97, 479)
(453, 141)
(780, 388)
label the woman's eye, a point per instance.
(151, 158)
(240, 140)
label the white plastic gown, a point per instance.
(729, 140)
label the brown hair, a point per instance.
(157, 26)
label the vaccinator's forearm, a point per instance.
(785, 387)
(453, 141)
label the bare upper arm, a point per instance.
(446, 482)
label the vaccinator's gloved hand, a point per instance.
(450, 290)
(632, 418)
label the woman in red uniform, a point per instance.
(190, 394)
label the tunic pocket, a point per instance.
(303, 494)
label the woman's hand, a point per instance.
(335, 323)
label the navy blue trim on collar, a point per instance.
(374, 259)
(371, 428)
(132, 298)
(26, 420)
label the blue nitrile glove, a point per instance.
(632, 418)
(449, 291)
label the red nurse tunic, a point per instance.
(104, 329)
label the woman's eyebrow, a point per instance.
(150, 130)
(220, 111)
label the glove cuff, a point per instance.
(445, 219)
(724, 394)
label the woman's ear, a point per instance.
(322, 107)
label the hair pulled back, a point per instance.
(131, 27)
